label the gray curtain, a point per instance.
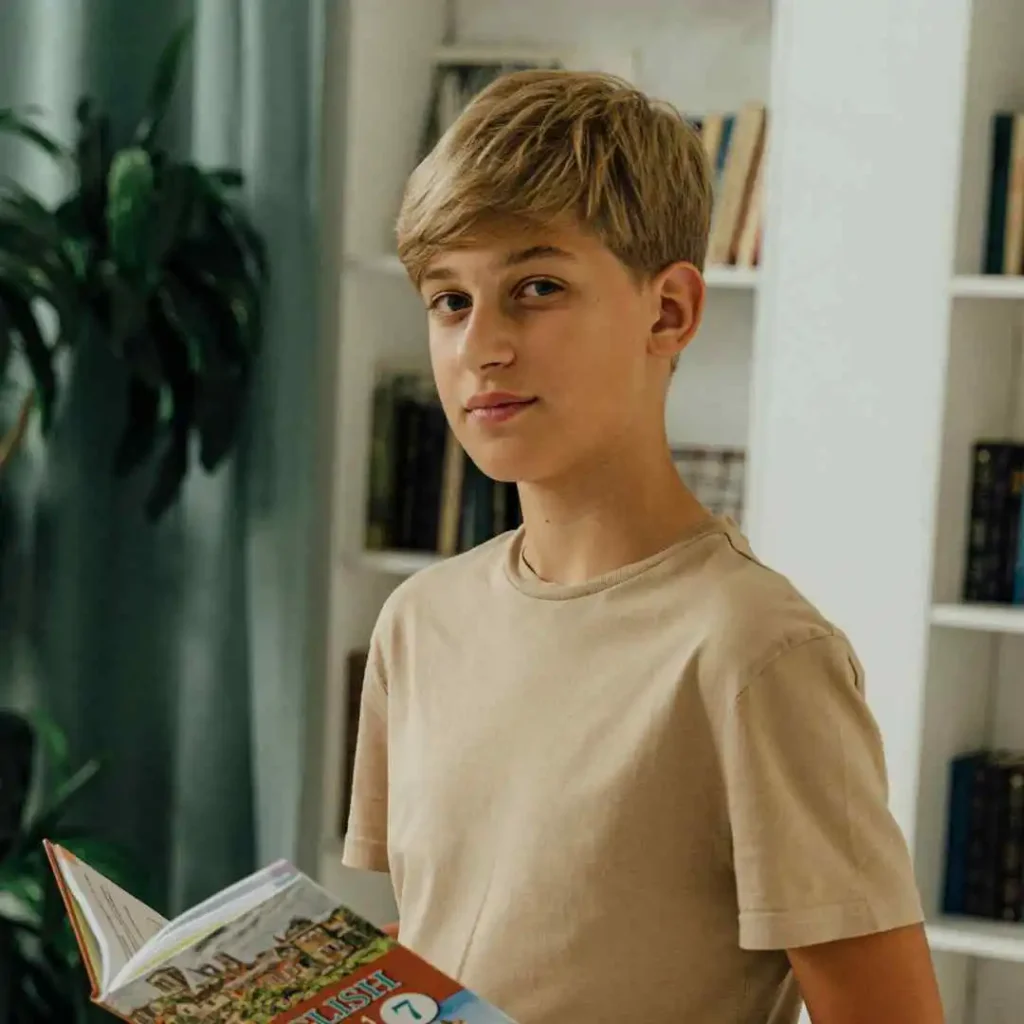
(183, 654)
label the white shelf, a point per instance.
(984, 618)
(485, 54)
(739, 278)
(988, 286)
(989, 940)
(397, 563)
(731, 277)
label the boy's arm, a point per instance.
(822, 868)
(885, 978)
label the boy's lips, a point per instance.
(497, 406)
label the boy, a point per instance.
(617, 768)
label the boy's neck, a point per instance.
(618, 512)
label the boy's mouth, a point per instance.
(497, 406)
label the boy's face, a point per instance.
(549, 356)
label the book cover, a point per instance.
(275, 948)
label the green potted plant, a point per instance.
(151, 255)
(42, 979)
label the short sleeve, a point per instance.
(817, 854)
(366, 838)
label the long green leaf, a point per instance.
(53, 743)
(129, 202)
(163, 85)
(174, 461)
(6, 342)
(93, 153)
(15, 124)
(179, 189)
(48, 819)
(139, 434)
(36, 351)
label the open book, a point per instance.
(274, 947)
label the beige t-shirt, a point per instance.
(623, 800)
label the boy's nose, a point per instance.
(488, 339)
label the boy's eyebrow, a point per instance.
(536, 252)
(512, 259)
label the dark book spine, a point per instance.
(985, 576)
(407, 439)
(1011, 523)
(476, 523)
(999, 186)
(996, 817)
(977, 841)
(515, 511)
(1011, 843)
(429, 474)
(380, 497)
(958, 831)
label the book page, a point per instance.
(206, 918)
(120, 924)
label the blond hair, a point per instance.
(538, 144)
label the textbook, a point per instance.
(274, 948)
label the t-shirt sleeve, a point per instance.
(366, 838)
(817, 854)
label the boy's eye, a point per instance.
(449, 302)
(540, 288)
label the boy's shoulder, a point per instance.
(753, 614)
(448, 581)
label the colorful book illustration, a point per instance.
(274, 948)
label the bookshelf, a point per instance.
(981, 940)
(987, 286)
(983, 618)
(884, 354)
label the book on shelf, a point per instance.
(984, 863)
(355, 673)
(273, 948)
(456, 82)
(1003, 251)
(736, 146)
(994, 571)
(715, 475)
(425, 494)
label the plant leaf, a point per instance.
(226, 177)
(129, 201)
(93, 155)
(178, 191)
(36, 351)
(174, 349)
(53, 743)
(46, 821)
(219, 409)
(138, 437)
(163, 85)
(14, 124)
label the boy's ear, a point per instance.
(679, 290)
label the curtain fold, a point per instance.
(178, 652)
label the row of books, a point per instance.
(424, 493)
(995, 542)
(984, 874)
(736, 145)
(1004, 226)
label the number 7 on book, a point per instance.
(409, 1009)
